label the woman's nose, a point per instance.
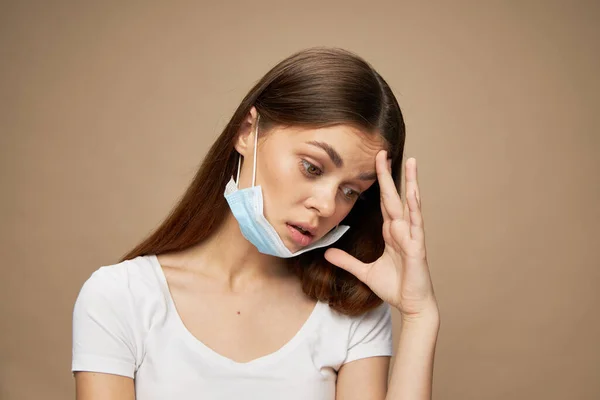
(323, 200)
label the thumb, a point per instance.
(345, 261)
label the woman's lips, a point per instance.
(299, 238)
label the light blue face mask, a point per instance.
(247, 208)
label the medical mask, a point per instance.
(247, 208)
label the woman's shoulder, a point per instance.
(136, 279)
(337, 324)
(115, 310)
(366, 335)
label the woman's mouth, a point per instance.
(300, 236)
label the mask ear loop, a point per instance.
(237, 179)
(255, 144)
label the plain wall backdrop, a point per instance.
(108, 107)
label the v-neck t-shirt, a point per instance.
(125, 323)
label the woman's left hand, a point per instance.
(401, 275)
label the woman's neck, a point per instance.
(226, 255)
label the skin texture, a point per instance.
(95, 386)
(299, 180)
(234, 285)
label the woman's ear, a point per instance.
(245, 139)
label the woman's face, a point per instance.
(310, 178)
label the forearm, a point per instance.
(412, 373)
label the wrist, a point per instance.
(428, 318)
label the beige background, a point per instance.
(106, 110)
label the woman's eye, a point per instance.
(311, 169)
(350, 193)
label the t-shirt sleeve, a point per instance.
(371, 335)
(104, 338)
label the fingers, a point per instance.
(347, 262)
(386, 216)
(392, 207)
(390, 199)
(413, 200)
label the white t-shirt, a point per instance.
(125, 323)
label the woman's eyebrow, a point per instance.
(331, 152)
(367, 176)
(339, 162)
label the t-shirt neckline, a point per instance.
(214, 356)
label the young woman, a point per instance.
(274, 276)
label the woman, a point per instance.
(274, 276)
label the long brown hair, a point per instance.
(317, 87)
